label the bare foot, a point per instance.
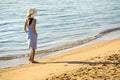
(30, 61)
(35, 62)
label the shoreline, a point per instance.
(24, 59)
(98, 37)
(61, 63)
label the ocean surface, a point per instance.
(61, 24)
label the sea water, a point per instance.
(59, 23)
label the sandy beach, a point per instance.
(98, 61)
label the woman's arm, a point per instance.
(34, 28)
(25, 26)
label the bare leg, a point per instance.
(32, 54)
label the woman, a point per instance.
(30, 29)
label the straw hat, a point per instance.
(31, 12)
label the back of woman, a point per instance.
(30, 30)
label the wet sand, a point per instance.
(99, 61)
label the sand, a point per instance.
(98, 61)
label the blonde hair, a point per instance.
(29, 21)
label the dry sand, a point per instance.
(99, 61)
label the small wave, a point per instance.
(107, 31)
(65, 46)
(4, 23)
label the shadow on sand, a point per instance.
(79, 62)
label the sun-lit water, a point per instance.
(58, 22)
